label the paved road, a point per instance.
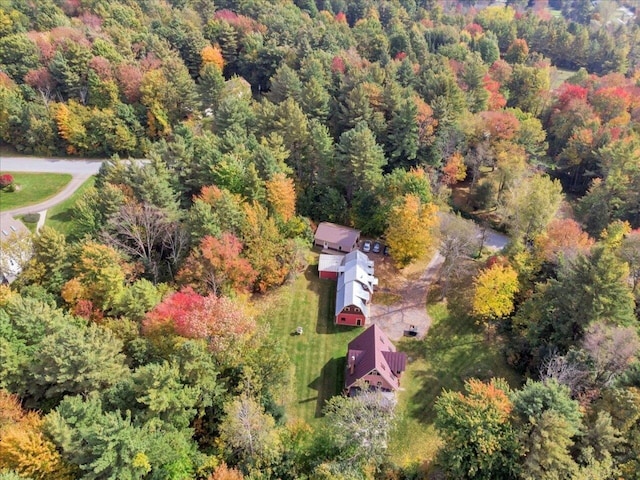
(80, 170)
(50, 165)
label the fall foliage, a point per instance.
(411, 230)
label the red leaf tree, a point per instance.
(220, 320)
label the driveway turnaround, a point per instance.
(80, 171)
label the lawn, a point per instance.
(318, 355)
(59, 217)
(33, 188)
(453, 350)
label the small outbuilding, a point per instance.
(329, 265)
(372, 360)
(336, 237)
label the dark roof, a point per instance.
(371, 350)
(397, 361)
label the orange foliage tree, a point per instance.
(223, 472)
(281, 195)
(212, 55)
(216, 265)
(454, 170)
(23, 446)
(563, 237)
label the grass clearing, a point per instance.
(33, 188)
(560, 75)
(454, 350)
(59, 217)
(318, 355)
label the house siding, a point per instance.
(335, 246)
(350, 319)
(329, 275)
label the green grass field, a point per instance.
(560, 75)
(318, 354)
(453, 351)
(33, 188)
(59, 217)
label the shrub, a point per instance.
(31, 217)
(6, 180)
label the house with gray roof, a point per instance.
(372, 361)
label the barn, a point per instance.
(354, 289)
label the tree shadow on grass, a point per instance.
(453, 351)
(62, 217)
(328, 383)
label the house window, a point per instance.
(347, 309)
(343, 319)
(379, 384)
(340, 247)
(358, 322)
(357, 310)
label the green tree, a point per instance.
(479, 440)
(108, 444)
(361, 160)
(547, 449)
(249, 433)
(75, 360)
(588, 290)
(530, 205)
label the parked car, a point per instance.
(366, 246)
(386, 250)
(376, 247)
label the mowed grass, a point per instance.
(453, 350)
(59, 217)
(32, 188)
(318, 355)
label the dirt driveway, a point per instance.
(398, 317)
(402, 300)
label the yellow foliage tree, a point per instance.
(212, 56)
(495, 288)
(23, 446)
(281, 194)
(71, 128)
(411, 229)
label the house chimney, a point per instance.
(352, 364)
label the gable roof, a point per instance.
(10, 225)
(372, 350)
(355, 282)
(337, 234)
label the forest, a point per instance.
(139, 343)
